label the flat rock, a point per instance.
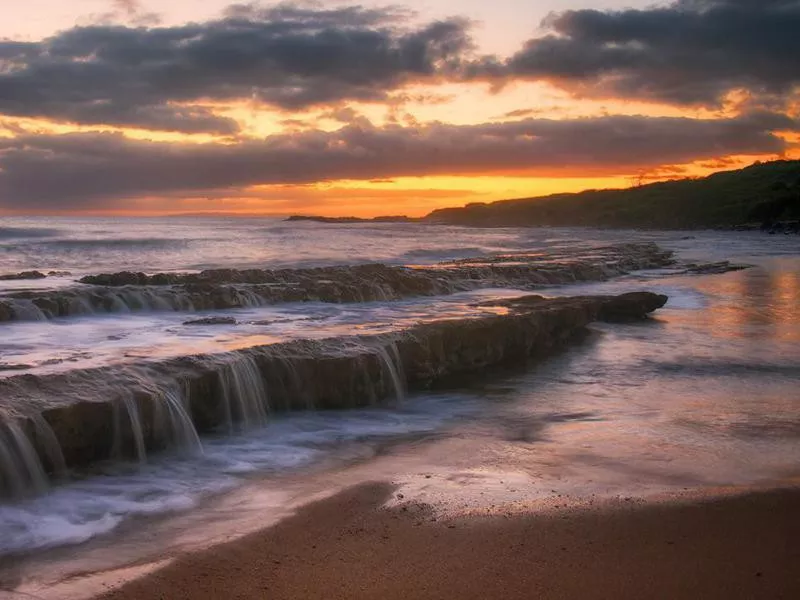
(23, 275)
(212, 321)
(715, 268)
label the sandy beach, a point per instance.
(350, 546)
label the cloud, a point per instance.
(95, 170)
(343, 114)
(127, 11)
(285, 56)
(131, 7)
(691, 52)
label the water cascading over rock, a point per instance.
(219, 289)
(130, 410)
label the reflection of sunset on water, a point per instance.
(753, 301)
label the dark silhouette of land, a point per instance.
(757, 196)
(761, 196)
(346, 220)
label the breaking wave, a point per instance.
(96, 505)
(20, 233)
(133, 243)
(442, 254)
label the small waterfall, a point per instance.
(26, 310)
(173, 419)
(21, 471)
(390, 359)
(187, 304)
(295, 380)
(130, 408)
(401, 374)
(119, 305)
(133, 299)
(376, 291)
(179, 300)
(158, 303)
(244, 394)
(143, 300)
(248, 298)
(48, 443)
(79, 305)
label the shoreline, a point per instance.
(646, 423)
(352, 545)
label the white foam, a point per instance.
(78, 511)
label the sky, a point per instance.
(131, 107)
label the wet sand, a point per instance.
(349, 546)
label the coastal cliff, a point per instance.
(759, 195)
(762, 196)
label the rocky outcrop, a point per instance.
(125, 410)
(632, 306)
(715, 268)
(211, 321)
(587, 262)
(23, 275)
(232, 288)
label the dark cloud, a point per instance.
(689, 52)
(293, 58)
(284, 56)
(93, 170)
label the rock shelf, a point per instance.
(79, 417)
(230, 288)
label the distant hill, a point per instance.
(351, 220)
(758, 195)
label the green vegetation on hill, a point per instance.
(760, 194)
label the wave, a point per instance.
(442, 254)
(133, 243)
(726, 368)
(18, 233)
(87, 507)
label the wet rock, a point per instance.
(519, 302)
(6, 312)
(631, 306)
(219, 289)
(212, 321)
(624, 307)
(554, 267)
(785, 227)
(119, 279)
(714, 268)
(89, 412)
(23, 275)
(14, 366)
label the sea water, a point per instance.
(704, 394)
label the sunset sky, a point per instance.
(337, 108)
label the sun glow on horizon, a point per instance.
(484, 111)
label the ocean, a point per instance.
(705, 394)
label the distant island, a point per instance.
(763, 195)
(334, 220)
